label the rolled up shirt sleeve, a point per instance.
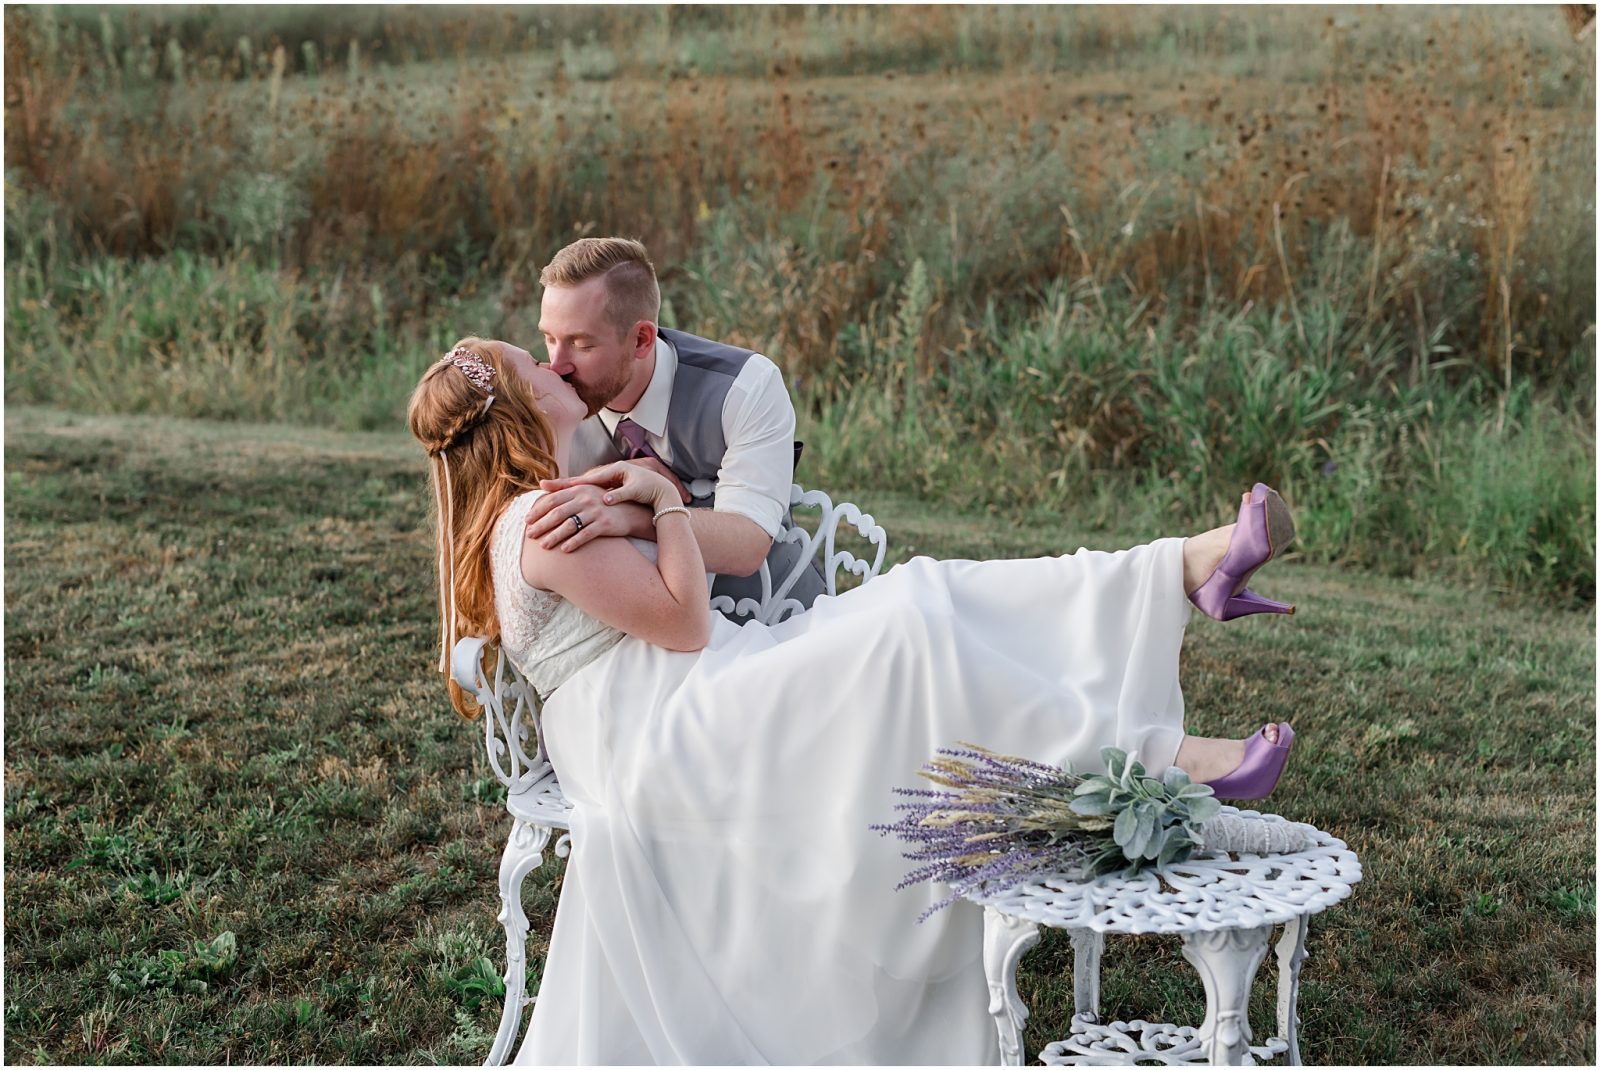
(758, 466)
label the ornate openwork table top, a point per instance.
(1207, 893)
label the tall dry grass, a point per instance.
(1466, 177)
(1378, 211)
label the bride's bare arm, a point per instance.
(665, 603)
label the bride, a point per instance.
(725, 901)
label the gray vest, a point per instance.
(706, 372)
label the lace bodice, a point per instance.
(547, 638)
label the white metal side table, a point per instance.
(1223, 906)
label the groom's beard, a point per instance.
(591, 400)
(596, 396)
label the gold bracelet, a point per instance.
(669, 509)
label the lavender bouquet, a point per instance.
(1000, 819)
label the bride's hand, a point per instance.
(605, 500)
(625, 481)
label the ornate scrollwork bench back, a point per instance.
(513, 739)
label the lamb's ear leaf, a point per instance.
(1144, 830)
(1125, 828)
(1203, 809)
(1149, 816)
(1176, 848)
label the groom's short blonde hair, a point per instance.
(631, 290)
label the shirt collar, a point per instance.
(651, 411)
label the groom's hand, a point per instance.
(550, 519)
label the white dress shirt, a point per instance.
(757, 424)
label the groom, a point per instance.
(713, 418)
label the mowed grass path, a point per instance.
(221, 719)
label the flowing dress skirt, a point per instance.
(725, 901)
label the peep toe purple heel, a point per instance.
(1260, 770)
(1264, 531)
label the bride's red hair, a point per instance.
(480, 459)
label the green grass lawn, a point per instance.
(242, 824)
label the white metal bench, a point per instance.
(512, 734)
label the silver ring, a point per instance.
(578, 520)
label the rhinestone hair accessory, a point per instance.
(477, 371)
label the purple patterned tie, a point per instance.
(637, 446)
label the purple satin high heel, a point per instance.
(1264, 531)
(1258, 773)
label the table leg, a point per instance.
(1087, 946)
(1004, 940)
(1226, 961)
(1291, 953)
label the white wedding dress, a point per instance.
(725, 901)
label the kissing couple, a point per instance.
(725, 901)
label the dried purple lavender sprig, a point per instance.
(1000, 823)
(1004, 818)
